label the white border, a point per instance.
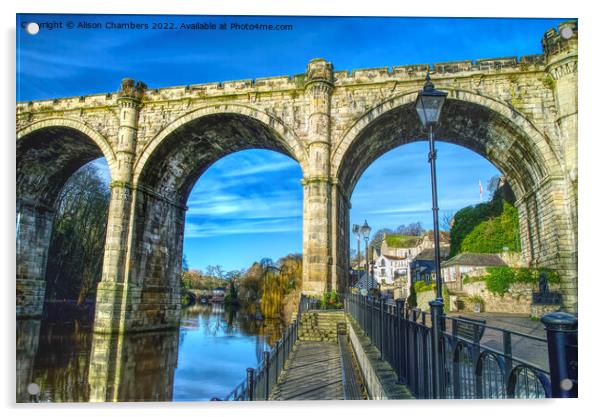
(589, 219)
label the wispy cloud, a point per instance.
(247, 226)
(248, 192)
(253, 169)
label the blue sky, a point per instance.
(236, 219)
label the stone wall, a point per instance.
(423, 298)
(517, 300)
(538, 310)
(378, 376)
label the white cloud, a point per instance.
(264, 167)
(246, 226)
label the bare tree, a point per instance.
(412, 229)
(447, 220)
(379, 236)
(493, 184)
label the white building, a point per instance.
(468, 265)
(396, 254)
(388, 267)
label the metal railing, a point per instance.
(260, 381)
(468, 367)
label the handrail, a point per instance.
(261, 380)
(469, 368)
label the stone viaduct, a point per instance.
(520, 114)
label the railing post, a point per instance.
(372, 320)
(507, 339)
(250, 383)
(381, 329)
(266, 364)
(561, 329)
(437, 359)
(364, 309)
(399, 350)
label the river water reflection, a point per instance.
(205, 358)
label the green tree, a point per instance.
(494, 234)
(487, 227)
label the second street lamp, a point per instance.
(365, 232)
(428, 107)
(356, 232)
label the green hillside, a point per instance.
(487, 227)
(402, 241)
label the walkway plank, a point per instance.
(313, 372)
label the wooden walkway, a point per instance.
(313, 372)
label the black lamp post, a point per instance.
(428, 107)
(372, 263)
(356, 232)
(365, 232)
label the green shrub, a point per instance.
(552, 276)
(185, 299)
(476, 299)
(421, 286)
(468, 280)
(445, 294)
(487, 227)
(525, 275)
(331, 300)
(499, 279)
(412, 298)
(494, 234)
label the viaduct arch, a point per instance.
(48, 152)
(519, 114)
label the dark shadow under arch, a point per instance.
(47, 155)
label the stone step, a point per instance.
(321, 326)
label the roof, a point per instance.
(428, 254)
(395, 258)
(475, 259)
(365, 281)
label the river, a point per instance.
(203, 359)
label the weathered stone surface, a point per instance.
(321, 326)
(521, 114)
(379, 378)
